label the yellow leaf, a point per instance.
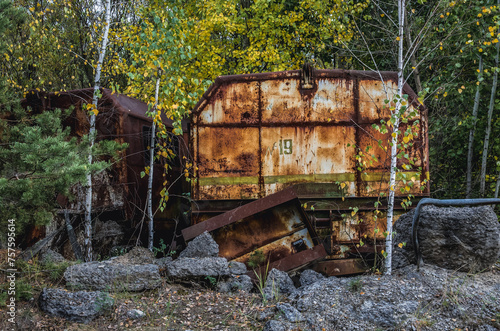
(342, 185)
(406, 139)
(95, 111)
(394, 134)
(397, 38)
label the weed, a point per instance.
(103, 301)
(3, 298)
(261, 280)
(24, 291)
(55, 271)
(212, 280)
(160, 250)
(256, 259)
(355, 285)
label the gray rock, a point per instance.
(111, 276)
(278, 283)
(163, 262)
(137, 255)
(202, 246)
(308, 277)
(274, 325)
(190, 267)
(50, 256)
(455, 238)
(237, 268)
(135, 314)
(81, 306)
(235, 283)
(266, 313)
(290, 313)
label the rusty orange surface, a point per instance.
(254, 135)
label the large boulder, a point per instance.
(278, 283)
(111, 276)
(202, 246)
(457, 238)
(79, 306)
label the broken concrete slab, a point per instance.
(235, 283)
(238, 268)
(201, 246)
(198, 267)
(111, 276)
(81, 306)
(456, 238)
(309, 276)
(278, 283)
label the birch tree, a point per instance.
(490, 117)
(151, 167)
(92, 134)
(395, 116)
(470, 150)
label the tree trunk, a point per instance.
(151, 166)
(394, 141)
(413, 58)
(482, 188)
(72, 237)
(473, 130)
(88, 198)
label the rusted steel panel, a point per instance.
(293, 262)
(234, 103)
(120, 118)
(239, 213)
(341, 267)
(306, 150)
(276, 226)
(296, 135)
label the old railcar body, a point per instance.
(257, 134)
(119, 191)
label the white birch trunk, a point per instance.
(151, 165)
(88, 198)
(470, 151)
(482, 187)
(394, 141)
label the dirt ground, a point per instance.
(171, 307)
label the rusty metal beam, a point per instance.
(341, 267)
(240, 213)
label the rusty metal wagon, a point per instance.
(255, 135)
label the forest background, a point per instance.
(451, 52)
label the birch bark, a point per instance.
(151, 167)
(92, 133)
(394, 140)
